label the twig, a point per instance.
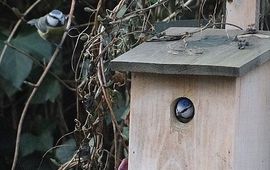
(102, 80)
(202, 9)
(130, 15)
(11, 9)
(41, 65)
(127, 18)
(187, 3)
(174, 14)
(158, 3)
(49, 150)
(16, 27)
(37, 85)
(117, 8)
(71, 163)
(114, 122)
(65, 135)
(226, 23)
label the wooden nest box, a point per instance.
(200, 103)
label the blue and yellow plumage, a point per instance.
(51, 26)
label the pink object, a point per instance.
(123, 165)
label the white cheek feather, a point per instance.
(52, 21)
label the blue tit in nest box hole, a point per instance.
(184, 110)
(51, 26)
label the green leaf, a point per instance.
(15, 67)
(65, 153)
(125, 113)
(55, 162)
(41, 138)
(85, 69)
(45, 141)
(153, 1)
(31, 143)
(125, 133)
(28, 144)
(119, 107)
(48, 91)
(16, 11)
(7, 87)
(122, 11)
(33, 44)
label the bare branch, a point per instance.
(16, 27)
(37, 85)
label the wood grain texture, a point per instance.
(210, 52)
(159, 142)
(252, 137)
(230, 130)
(243, 13)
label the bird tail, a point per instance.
(32, 22)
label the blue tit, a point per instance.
(51, 26)
(184, 110)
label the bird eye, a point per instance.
(184, 110)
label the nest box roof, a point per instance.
(207, 52)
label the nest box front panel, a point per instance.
(158, 140)
(224, 74)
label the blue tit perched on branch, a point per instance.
(51, 26)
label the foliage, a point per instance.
(65, 153)
(31, 143)
(80, 94)
(13, 78)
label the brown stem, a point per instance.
(41, 65)
(116, 129)
(16, 27)
(16, 153)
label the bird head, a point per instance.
(184, 110)
(56, 18)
